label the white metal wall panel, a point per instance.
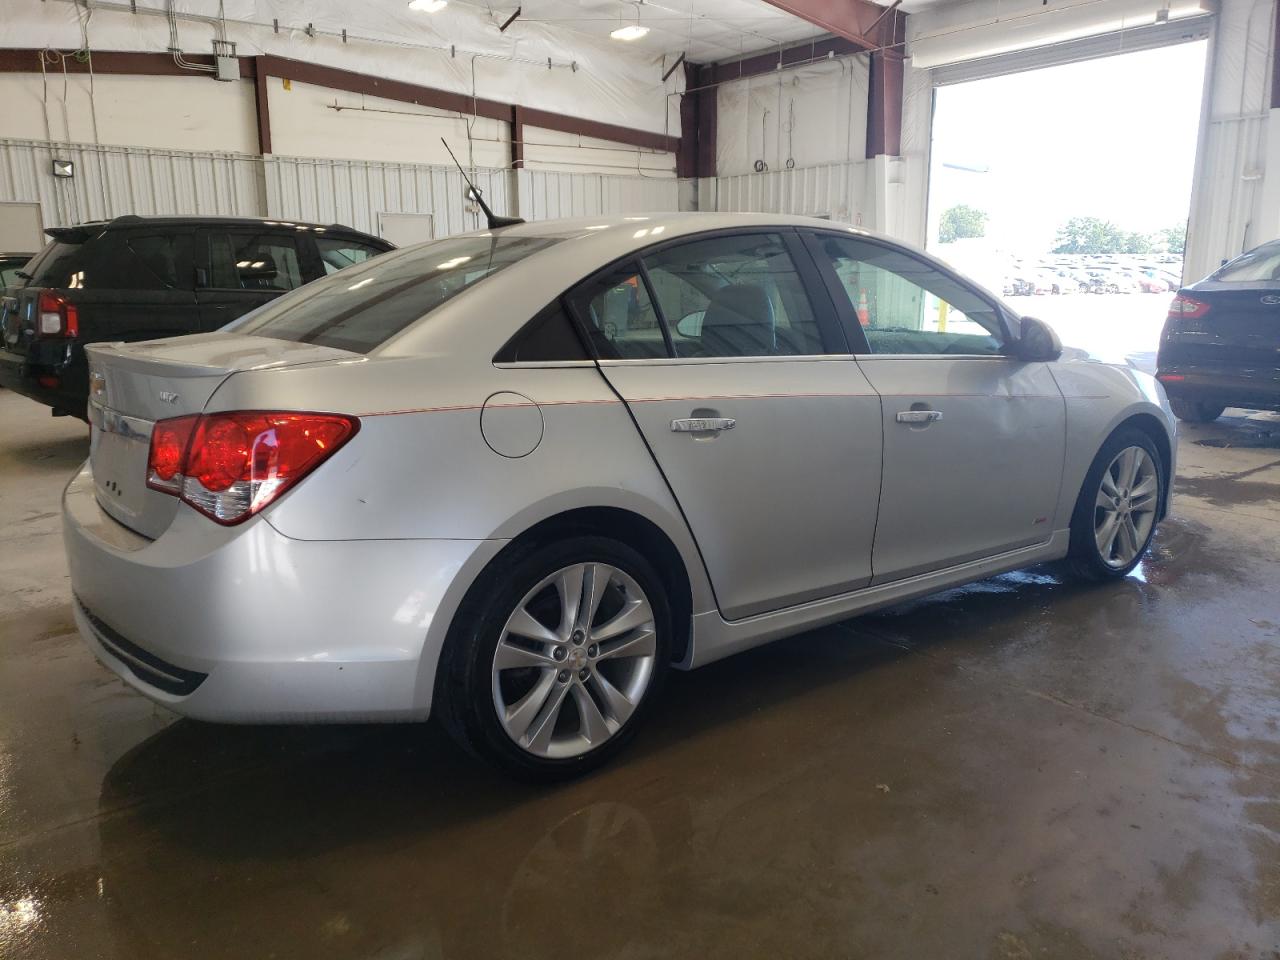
(546, 194)
(113, 181)
(356, 192)
(836, 190)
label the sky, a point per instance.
(1113, 138)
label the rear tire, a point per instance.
(1196, 411)
(546, 688)
(1115, 514)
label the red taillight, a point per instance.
(231, 465)
(56, 316)
(1187, 308)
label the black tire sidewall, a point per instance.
(1196, 411)
(1084, 546)
(463, 690)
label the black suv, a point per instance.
(139, 278)
(1221, 344)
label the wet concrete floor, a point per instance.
(1023, 768)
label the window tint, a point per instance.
(362, 307)
(336, 254)
(119, 261)
(254, 261)
(1262, 263)
(548, 337)
(9, 270)
(734, 296)
(907, 306)
(619, 316)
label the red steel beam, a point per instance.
(112, 62)
(858, 21)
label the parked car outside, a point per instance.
(139, 278)
(1221, 342)
(485, 478)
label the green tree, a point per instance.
(1175, 238)
(961, 222)
(1089, 235)
(1136, 243)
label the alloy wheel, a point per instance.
(574, 660)
(1125, 508)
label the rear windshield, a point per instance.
(118, 260)
(1261, 263)
(365, 305)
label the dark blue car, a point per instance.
(1221, 344)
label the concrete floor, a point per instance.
(1024, 768)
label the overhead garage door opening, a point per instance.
(1067, 188)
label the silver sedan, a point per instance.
(510, 479)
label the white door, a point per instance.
(759, 418)
(974, 440)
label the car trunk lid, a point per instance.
(1239, 330)
(131, 386)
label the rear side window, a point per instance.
(364, 306)
(254, 261)
(1260, 264)
(338, 254)
(119, 261)
(546, 338)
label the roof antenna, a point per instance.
(494, 221)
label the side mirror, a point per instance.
(1037, 343)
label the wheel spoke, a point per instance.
(1109, 484)
(569, 586)
(595, 582)
(1128, 540)
(642, 643)
(523, 624)
(1128, 468)
(634, 613)
(1144, 493)
(1106, 535)
(511, 656)
(595, 726)
(543, 726)
(615, 700)
(1105, 501)
(520, 716)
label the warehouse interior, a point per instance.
(1023, 766)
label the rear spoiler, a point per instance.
(73, 234)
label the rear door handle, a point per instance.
(919, 416)
(703, 424)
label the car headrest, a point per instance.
(739, 322)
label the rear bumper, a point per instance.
(245, 625)
(22, 376)
(1232, 388)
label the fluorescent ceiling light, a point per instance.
(632, 31)
(428, 6)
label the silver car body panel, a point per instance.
(334, 602)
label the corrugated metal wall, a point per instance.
(1227, 194)
(836, 190)
(112, 181)
(549, 193)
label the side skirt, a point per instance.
(715, 638)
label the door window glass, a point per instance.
(336, 254)
(254, 261)
(734, 296)
(906, 306)
(619, 316)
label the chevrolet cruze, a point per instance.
(510, 479)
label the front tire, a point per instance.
(1196, 411)
(1115, 515)
(555, 658)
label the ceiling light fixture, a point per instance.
(632, 31)
(428, 6)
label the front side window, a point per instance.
(906, 306)
(254, 261)
(364, 306)
(337, 254)
(734, 296)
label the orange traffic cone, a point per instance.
(864, 312)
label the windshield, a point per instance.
(367, 304)
(1261, 263)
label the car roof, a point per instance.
(659, 225)
(133, 220)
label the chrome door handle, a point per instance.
(703, 424)
(919, 416)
